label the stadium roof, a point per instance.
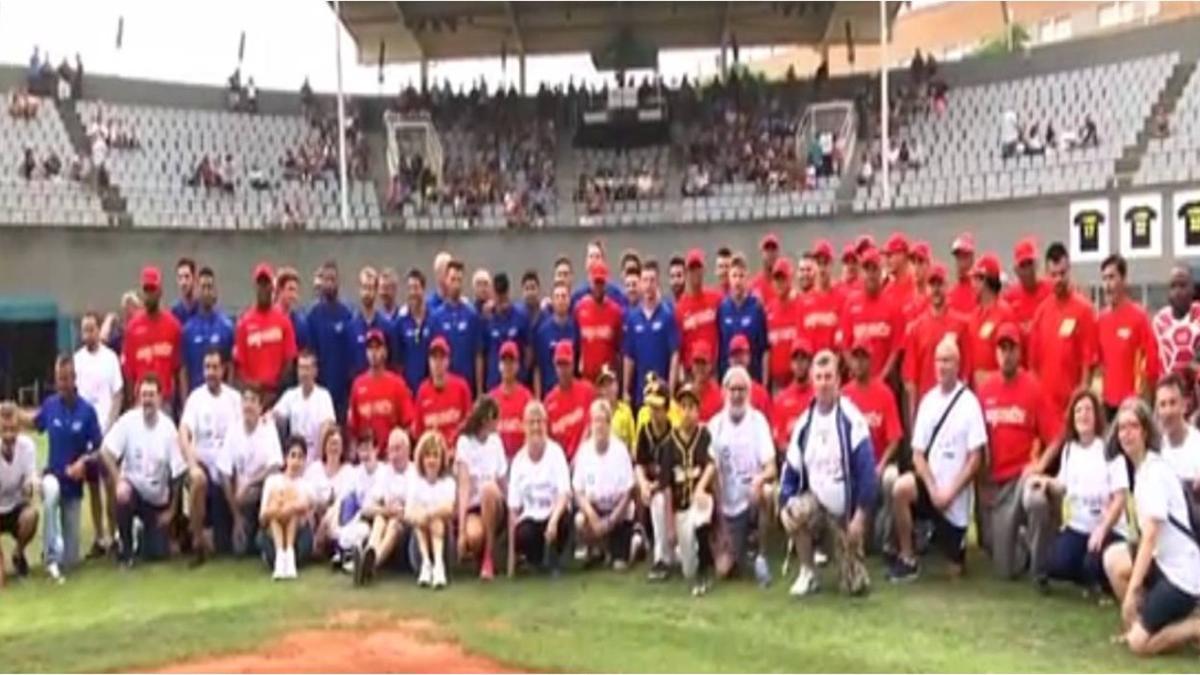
(412, 31)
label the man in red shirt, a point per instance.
(820, 309)
(920, 257)
(990, 313)
(869, 317)
(760, 285)
(444, 399)
(1029, 291)
(961, 296)
(936, 325)
(708, 391)
(901, 286)
(739, 355)
(724, 262)
(875, 401)
(1019, 426)
(511, 398)
(264, 342)
(599, 319)
(1062, 339)
(1128, 350)
(783, 327)
(379, 399)
(851, 281)
(568, 403)
(151, 343)
(793, 399)
(696, 310)
(822, 254)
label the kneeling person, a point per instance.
(18, 477)
(688, 473)
(603, 485)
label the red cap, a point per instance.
(151, 277)
(897, 243)
(509, 350)
(821, 248)
(1010, 332)
(769, 240)
(376, 335)
(802, 345)
(864, 242)
(1025, 251)
(963, 243)
(988, 265)
(739, 344)
(439, 344)
(920, 251)
(869, 256)
(598, 271)
(783, 267)
(850, 252)
(937, 273)
(564, 352)
(702, 351)
(695, 258)
(263, 271)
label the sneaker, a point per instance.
(806, 583)
(700, 587)
(581, 553)
(20, 565)
(368, 566)
(425, 578)
(279, 571)
(619, 565)
(487, 570)
(820, 558)
(54, 573)
(658, 572)
(762, 571)
(335, 560)
(637, 545)
(289, 564)
(904, 571)
(439, 576)
(360, 569)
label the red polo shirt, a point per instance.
(981, 337)
(763, 286)
(599, 335)
(443, 410)
(1023, 303)
(821, 316)
(696, 314)
(264, 343)
(760, 399)
(921, 343)
(960, 297)
(783, 325)
(786, 409)
(152, 346)
(567, 413)
(876, 321)
(379, 402)
(1017, 417)
(712, 399)
(1062, 347)
(1128, 351)
(877, 404)
(511, 423)
(903, 293)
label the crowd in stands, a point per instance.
(63, 83)
(49, 167)
(1017, 139)
(23, 105)
(242, 96)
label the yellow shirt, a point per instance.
(623, 425)
(674, 414)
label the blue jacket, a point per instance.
(858, 458)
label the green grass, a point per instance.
(105, 619)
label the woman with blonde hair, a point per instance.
(430, 507)
(539, 493)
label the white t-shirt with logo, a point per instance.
(149, 456)
(426, 495)
(1091, 481)
(533, 487)
(98, 378)
(305, 415)
(1159, 497)
(603, 477)
(17, 475)
(963, 432)
(324, 489)
(248, 454)
(484, 461)
(741, 449)
(823, 470)
(365, 483)
(209, 417)
(281, 483)
(1185, 457)
(390, 487)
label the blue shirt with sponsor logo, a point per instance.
(500, 327)
(201, 333)
(747, 319)
(463, 329)
(411, 352)
(360, 326)
(184, 311)
(551, 331)
(650, 340)
(71, 432)
(331, 338)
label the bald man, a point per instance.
(1177, 326)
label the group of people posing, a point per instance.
(878, 411)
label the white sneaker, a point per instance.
(439, 576)
(290, 561)
(280, 567)
(55, 574)
(636, 544)
(426, 576)
(806, 583)
(820, 558)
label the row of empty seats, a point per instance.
(1177, 157)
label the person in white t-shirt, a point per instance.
(306, 409)
(480, 469)
(1158, 606)
(745, 457)
(1091, 549)
(328, 480)
(144, 463)
(18, 478)
(100, 382)
(948, 440)
(829, 485)
(209, 413)
(354, 526)
(1181, 441)
(603, 486)
(539, 494)
(384, 511)
(429, 509)
(285, 515)
(250, 454)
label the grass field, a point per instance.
(105, 619)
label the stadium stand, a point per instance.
(626, 186)
(1174, 155)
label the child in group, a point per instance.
(430, 507)
(354, 526)
(285, 513)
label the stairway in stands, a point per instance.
(1131, 159)
(110, 198)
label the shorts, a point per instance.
(9, 521)
(950, 538)
(1164, 603)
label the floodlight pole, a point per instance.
(343, 184)
(884, 104)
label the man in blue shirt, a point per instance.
(411, 338)
(650, 338)
(367, 318)
(438, 295)
(507, 322)
(185, 277)
(595, 254)
(73, 435)
(556, 327)
(741, 313)
(331, 337)
(457, 322)
(207, 328)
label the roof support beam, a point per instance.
(416, 39)
(515, 27)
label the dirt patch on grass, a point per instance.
(350, 642)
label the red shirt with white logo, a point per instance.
(379, 402)
(599, 335)
(877, 404)
(919, 366)
(1062, 347)
(696, 314)
(712, 399)
(511, 423)
(443, 410)
(152, 346)
(878, 323)
(763, 285)
(1024, 304)
(264, 343)
(960, 297)
(783, 326)
(1128, 351)
(981, 337)
(567, 414)
(902, 292)
(821, 316)
(1178, 339)
(1017, 417)
(785, 410)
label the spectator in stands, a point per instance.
(1010, 134)
(258, 178)
(308, 101)
(64, 80)
(866, 170)
(28, 164)
(1089, 136)
(235, 89)
(80, 168)
(1161, 125)
(250, 104)
(52, 166)
(291, 165)
(1051, 137)
(1034, 145)
(22, 105)
(77, 78)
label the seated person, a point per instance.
(603, 485)
(429, 509)
(481, 471)
(253, 452)
(384, 511)
(539, 492)
(354, 523)
(18, 477)
(286, 514)
(328, 480)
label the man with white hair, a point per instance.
(481, 285)
(441, 262)
(948, 440)
(745, 456)
(829, 485)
